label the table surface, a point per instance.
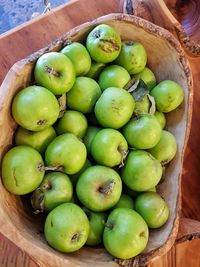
(32, 36)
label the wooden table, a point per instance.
(28, 38)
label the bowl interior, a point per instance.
(167, 61)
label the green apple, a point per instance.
(109, 147)
(89, 136)
(141, 171)
(161, 118)
(97, 223)
(55, 189)
(66, 228)
(83, 95)
(35, 108)
(125, 201)
(166, 148)
(74, 177)
(67, 153)
(72, 122)
(133, 57)
(99, 188)
(79, 57)
(142, 132)
(142, 106)
(55, 72)
(103, 43)
(113, 76)
(22, 170)
(168, 95)
(95, 70)
(37, 140)
(126, 233)
(147, 76)
(153, 208)
(114, 108)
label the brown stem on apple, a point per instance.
(136, 116)
(41, 122)
(40, 167)
(54, 168)
(75, 237)
(47, 186)
(51, 71)
(108, 225)
(107, 187)
(124, 154)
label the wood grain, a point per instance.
(172, 19)
(186, 254)
(12, 256)
(187, 13)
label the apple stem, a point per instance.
(54, 168)
(108, 225)
(107, 188)
(75, 237)
(124, 154)
(51, 70)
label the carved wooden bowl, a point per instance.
(167, 60)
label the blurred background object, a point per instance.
(16, 12)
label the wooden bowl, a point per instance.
(180, 17)
(166, 58)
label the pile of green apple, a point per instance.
(91, 146)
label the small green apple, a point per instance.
(83, 95)
(161, 118)
(35, 108)
(55, 189)
(37, 140)
(79, 57)
(22, 170)
(89, 136)
(66, 228)
(141, 171)
(125, 201)
(143, 131)
(95, 70)
(103, 43)
(133, 57)
(99, 188)
(113, 76)
(109, 147)
(147, 76)
(168, 95)
(72, 122)
(55, 72)
(166, 148)
(153, 208)
(126, 233)
(67, 153)
(114, 108)
(97, 223)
